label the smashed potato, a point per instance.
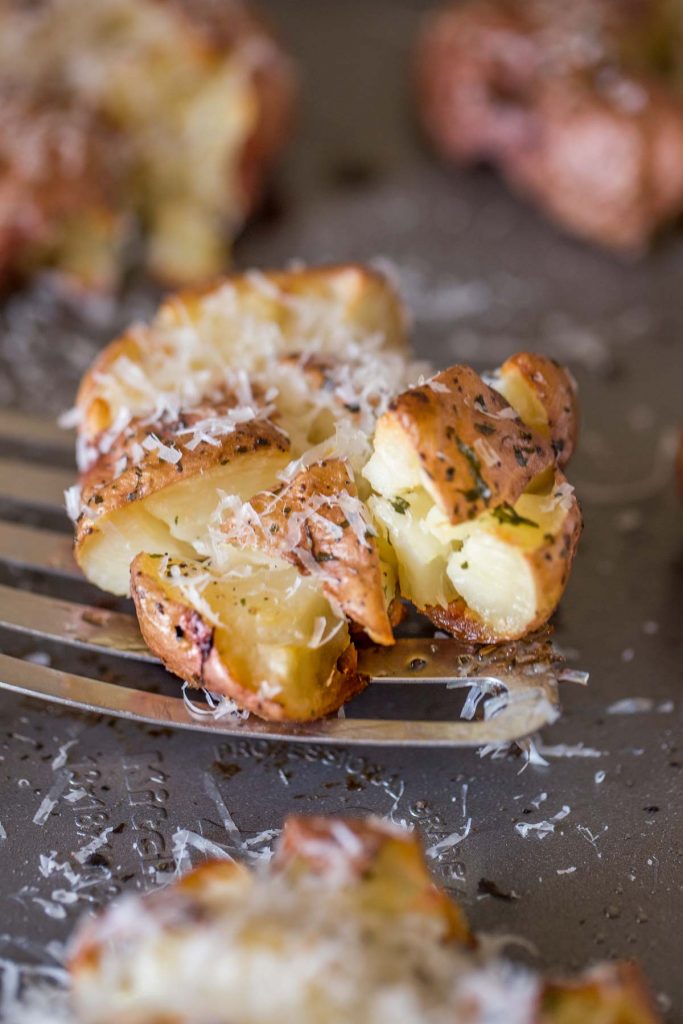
(165, 114)
(482, 523)
(223, 445)
(262, 474)
(576, 104)
(345, 924)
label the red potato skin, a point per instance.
(597, 144)
(442, 428)
(57, 163)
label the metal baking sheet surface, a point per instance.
(107, 806)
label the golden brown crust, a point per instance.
(609, 994)
(306, 522)
(444, 420)
(555, 389)
(551, 564)
(185, 641)
(103, 492)
(596, 142)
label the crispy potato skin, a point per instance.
(305, 516)
(596, 142)
(184, 641)
(103, 493)
(555, 389)
(443, 420)
(551, 565)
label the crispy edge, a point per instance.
(368, 295)
(321, 844)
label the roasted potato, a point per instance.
(482, 524)
(224, 444)
(266, 637)
(58, 197)
(345, 925)
(607, 994)
(570, 101)
(196, 94)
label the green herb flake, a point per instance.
(506, 515)
(481, 490)
(400, 505)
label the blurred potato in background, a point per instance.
(128, 117)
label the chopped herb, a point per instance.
(481, 488)
(549, 538)
(485, 428)
(323, 556)
(506, 515)
(243, 601)
(520, 456)
(464, 565)
(400, 505)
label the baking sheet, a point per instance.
(109, 806)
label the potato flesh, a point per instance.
(272, 622)
(483, 561)
(186, 508)
(523, 399)
(106, 555)
(172, 521)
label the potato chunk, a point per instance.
(482, 524)
(316, 522)
(151, 492)
(344, 924)
(264, 636)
